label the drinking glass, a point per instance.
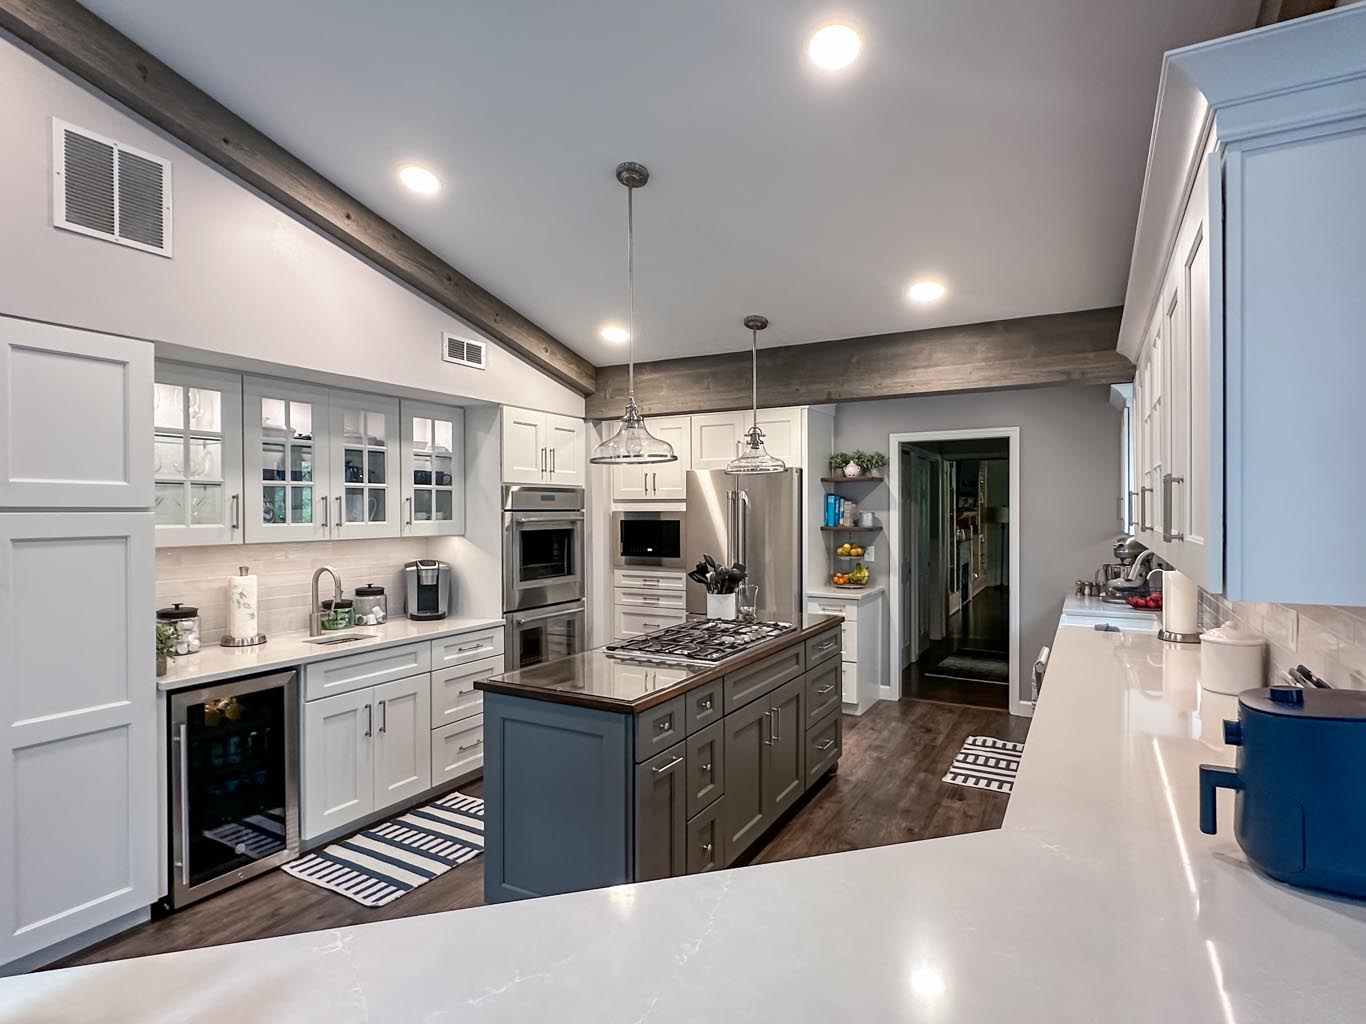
(747, 601)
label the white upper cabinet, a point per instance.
(288, 464)
(197, 456)
(433, 443)
(543, 448)
(666, 481)
(78, 418)
(719, 437)
(364, 466)
(1244, 313)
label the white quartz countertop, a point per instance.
(1095, 607)
(849, 594)
(1099, 901)
(282, 650)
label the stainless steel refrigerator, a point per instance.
(755, 519)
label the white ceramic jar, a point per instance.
(1232, 659)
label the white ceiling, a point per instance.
(998, 146)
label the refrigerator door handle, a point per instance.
(742, 521)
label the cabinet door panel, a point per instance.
(745, 813)
(338, 782)
(715, 439)
(669, 480)
(706, 768)
(197, 461)
(403, 740)
(433, 451)
(78, 751)
(704, 839)
(457, 749)
(78, 418)
(365, 465)
(454, 696)
(564, 441)
(786, 779)
(287, 478)
(661, 815)
(782, 433)
(524, 446)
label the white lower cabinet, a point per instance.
(862, 673)
(457, 749)
(365, 750)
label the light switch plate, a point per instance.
(870, 554)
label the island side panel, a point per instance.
(557, 798)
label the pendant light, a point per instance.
(632, 444)
(755, 457)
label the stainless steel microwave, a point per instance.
(651, 540)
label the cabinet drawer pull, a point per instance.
(826, 646)
(706, 767)
(665, 725)
(776, 729)
(829, 608)
(469, 647)
(706, 704)
(825, 689)
(825, 745)
(706, 847)
(462, 690)
(468, 746)
(651, 597)
(767, 740)
(660, 769)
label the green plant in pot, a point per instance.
(869, 463)
(167, 638)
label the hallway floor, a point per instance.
(982, 627)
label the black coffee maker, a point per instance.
(426, 589)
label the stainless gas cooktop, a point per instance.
(701, 642)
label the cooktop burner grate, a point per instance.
(701, 642)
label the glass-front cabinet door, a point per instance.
(197, 417)
(433, 438)
(365, 464)
(288, 472)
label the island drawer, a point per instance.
(674, 599)
(706, 764)
(822, 689)
(824, 743)
(704, 839)
(457, 749)
(753, 681)
(659, 728)
(454, 697)
(704, 706)
(341, 675)
(823, 647)
(644, 579)
(467, 647)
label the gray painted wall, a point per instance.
(1069, 479)
(247, 281)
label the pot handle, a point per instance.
(1214, 777)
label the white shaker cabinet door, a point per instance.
(525, 458)
(77, 414)
(288, 471)
(716, 439)
(197, 456)
(78, 745)
(338, 761)
(403, 739)
(564, 439)
(364, 465)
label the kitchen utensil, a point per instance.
(1297, 814)
(371, 607)
(1303, 677)
(184, 619)
(1232, 659)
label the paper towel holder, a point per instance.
(242, 641)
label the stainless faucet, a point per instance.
(1136, 569)
(315, 617)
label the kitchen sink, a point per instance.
(339, 638)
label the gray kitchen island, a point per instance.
(601, 770)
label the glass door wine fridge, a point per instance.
(234, 776)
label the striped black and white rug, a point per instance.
(986, 763)
(379, 865)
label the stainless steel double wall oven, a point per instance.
(543, 573)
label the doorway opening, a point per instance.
(955, 609)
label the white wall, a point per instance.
(248, 281)
(1069, 476)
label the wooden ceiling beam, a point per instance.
(94, 50)
(1061, 348)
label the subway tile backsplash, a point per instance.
(1328, 639)
(198, 576)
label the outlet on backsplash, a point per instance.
(1329, 639)
(199, 576)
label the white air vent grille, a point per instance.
(465, 351)
(109, 191)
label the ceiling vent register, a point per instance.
(465, 351)
(107, 190)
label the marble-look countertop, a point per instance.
(595, 679)
(846, 594)
(1098, 901)
(1095, 607)
(282, 650)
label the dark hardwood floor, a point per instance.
(888, 790)
(983, 624)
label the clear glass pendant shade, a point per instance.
(754, 458)
(632, 444)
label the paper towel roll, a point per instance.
(242, 607)
(1180, 603)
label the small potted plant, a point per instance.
(844, 463)
(167, 637)
(869, 463)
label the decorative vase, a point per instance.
(161, 664)
(853, 469)
(721, 606)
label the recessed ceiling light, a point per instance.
(834, 47)
(925, 291)
(616, 335)
(419, 179)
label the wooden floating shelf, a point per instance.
(850, 529)
(851, 479)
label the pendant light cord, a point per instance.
(631, 296)
(754, 374)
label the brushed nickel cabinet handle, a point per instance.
(666, 725)
(341, 520)
(824, 690)
(383, 715)
(662, 768)
(825, 745)
(410, 511)
(706, 704)
(825, 646)
(468, 746)
(777, 725)
(324, 503)
(236, 511)
(706, 847)
(768, 740)
(369, 720)
(706, 767)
